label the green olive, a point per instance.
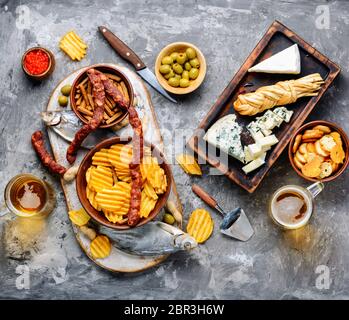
(178, 76)
(195, 63)
(66, 90)
(193, 73)
(177, 68)
(191, 54)
(187, 66)
(173, 82)
(165, 68)
(63, 101)
(169, 75)
(168, 218)
(185, 74)
(167, 60)
(183, 83)
(182, 57)
(174, 56)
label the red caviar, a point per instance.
(36, 61)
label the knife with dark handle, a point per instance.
(130, 56)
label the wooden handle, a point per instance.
(203, 195)
(122, 49)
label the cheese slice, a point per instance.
(253, 165)
(266, 142)
(287, 61)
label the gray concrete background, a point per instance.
(272, 264)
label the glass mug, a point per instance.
(28, 196)
(292, 206)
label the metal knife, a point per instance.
(127, 54)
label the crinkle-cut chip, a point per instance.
(100, 247)
(100, 158)
(114, 198)
(101, 178)
(113, 217)
(79, 217)
(88, 174)
(119, 160)
(337, 154)
(337, 137)
(312, 168)
(189, 164)
(149, 190)
(163, 187)
(124, 176)
(147, 205)
(200, 225)
(91, 196)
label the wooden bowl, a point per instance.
(98, 216)
(333, 127)
(180, 47)
(107, 69)
(45, 74)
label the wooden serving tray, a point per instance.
(277, 38)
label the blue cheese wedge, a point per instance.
(225, 135)
(287, 61)
(253, 165)
(283, 113)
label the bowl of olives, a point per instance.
(180, 68)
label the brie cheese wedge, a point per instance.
(287, 61)
(225, 135)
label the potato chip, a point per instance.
(189, 164)
(101, 178)
(149, 190)
(124, 176)
(147, 205)
(112, 199)
(100, 247)
(79, 217)
(112, 216)
(73, 46)
(337, 154)
(312, 168)
(100, 158)
(91, 196)
(200, 225)
(337, 137)
(88, 174)
(120, 158)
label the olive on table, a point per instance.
(174, 56)
(173, 82)
(177, 68)
(181, 58)
(195, 63)
(63, 101)
(183, 83)
(187, 66)
(193, 73)
(165, 68)
(168, 218)
(169, 75)
(185, 74)
(167, 60)
(191, 53)
(66, 90)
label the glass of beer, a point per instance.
(29, 196)
(292, 206)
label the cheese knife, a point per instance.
(130, 56)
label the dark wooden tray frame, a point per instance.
(219, 109)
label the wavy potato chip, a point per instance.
(91, 196)
(100, 247)
(101, 178)
(200, 225)
(149, 190)
(189, 164)
(79, 217)
(147, 205)
(113, 198)
(100, 158)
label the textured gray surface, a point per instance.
(272, 264)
